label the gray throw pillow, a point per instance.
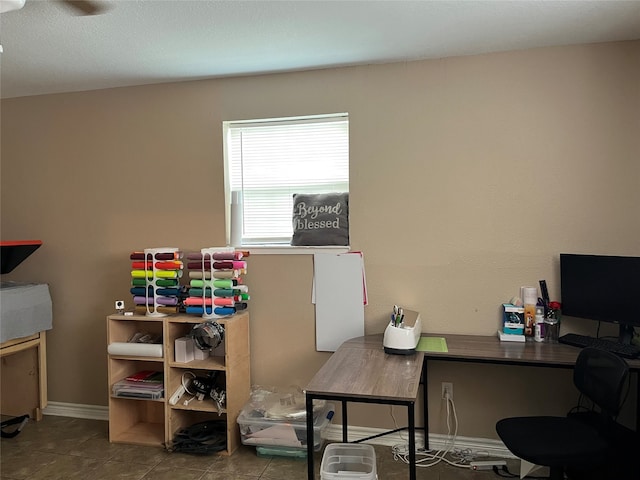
(320, 219)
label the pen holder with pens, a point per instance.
(403, 338)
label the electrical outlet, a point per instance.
(447, 388)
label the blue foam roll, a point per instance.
(168, 292)
(224, 310)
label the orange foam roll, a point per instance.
(170, 265)
(141, 265)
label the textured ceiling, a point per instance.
(48, 49)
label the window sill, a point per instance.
(288, 250)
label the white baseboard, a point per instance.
(494, 448)
(77, 410)
(490, 447)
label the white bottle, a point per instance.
(539, 327)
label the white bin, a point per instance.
(348, 461)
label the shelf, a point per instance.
(137, 359)
(143, 433)
(136, 318)
(159, 400)
(136, 420)
(207, 405)
(143, 421)
(211, 363)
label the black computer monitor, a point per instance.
(605, 288)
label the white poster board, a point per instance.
(339, 296)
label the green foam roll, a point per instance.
(201, 283)
(223, 292)
(199, 292)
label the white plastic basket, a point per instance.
(348, 461)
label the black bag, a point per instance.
(201, 438)
(22, 421)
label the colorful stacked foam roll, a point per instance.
(216, 287)
(155, 281)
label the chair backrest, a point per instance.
(601, 376)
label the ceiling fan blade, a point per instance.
(85, 7)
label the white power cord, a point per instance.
(430, 458)
(186, 382)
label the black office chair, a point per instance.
(568, 443)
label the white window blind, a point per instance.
(270, 160)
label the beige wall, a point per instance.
(468, 177)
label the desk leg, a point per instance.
(425, 404)
(310, 442)
(638, 401)
(42, 375)
(345, 423)
(412, 441)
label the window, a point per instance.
(268, 160)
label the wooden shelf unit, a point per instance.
(155, 422)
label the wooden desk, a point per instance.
(489, 349)
(360, 371)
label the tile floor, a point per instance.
(62, 448)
